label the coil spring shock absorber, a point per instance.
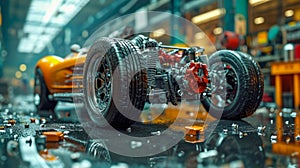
(197, 71)
(172, 91)
(149, 50)
(152, 60)
(197, 77)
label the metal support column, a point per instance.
(175, 26)
(236, 11)
(229, 16)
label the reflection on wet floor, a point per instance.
(269, 138)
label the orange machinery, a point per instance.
(280, 69)
(287, 145)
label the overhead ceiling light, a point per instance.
(51, 30)
(18, 74)
(289, 13)
(34, 17)
(22, 67)
(51, 10)
(259, 20)
(257, 2)
(30, 28)
(39, 5)
(218, 30)
(25, 45)
(67, 8)
(85, 34)
(44, 21)
(39, 48)
(33, 36)
(211, 15)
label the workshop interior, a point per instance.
(152, 83)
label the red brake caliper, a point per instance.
(197, 77)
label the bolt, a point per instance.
(29, 141)
(32, 120)
(128, 130)
(273, 138)
(241, 134)
(8, 125)
(26, 125)
(12, 122)
(235, 126)
(75, 156)
(43, 120)
(261, 130)
(156, 133)
(85, 164)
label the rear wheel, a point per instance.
(115, 83)
(242, 86)
(41, 93)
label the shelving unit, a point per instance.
(267, 58)
(266, 70)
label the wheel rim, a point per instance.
(226, 84)
(37, 91)
(103, 85)
(231, 84)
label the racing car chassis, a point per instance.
(120, 76)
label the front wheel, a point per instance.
(238, 83)
(41, 93)
(115, 83)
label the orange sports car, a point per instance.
(115, 77)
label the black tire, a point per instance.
(232, 147)
(115, 83)
(244, 85)
(41, 93)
